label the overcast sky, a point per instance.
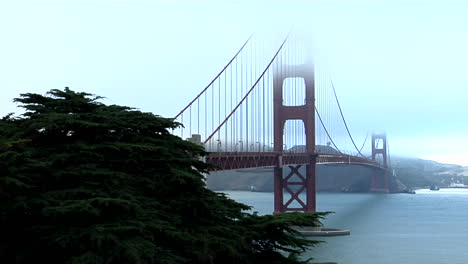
(398, 66)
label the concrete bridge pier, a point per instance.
(379, 182)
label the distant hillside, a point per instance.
(415, 172)
(330, 178)
(409, 173)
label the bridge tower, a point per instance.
(379, 182)
(306, 113)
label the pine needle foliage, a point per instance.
(82, 182)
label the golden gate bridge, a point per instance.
(281, 112)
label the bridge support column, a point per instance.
(278, 186)
(380, 181)
(311, 188)
(295, 183)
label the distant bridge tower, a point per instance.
(379, 182)
(306, 113)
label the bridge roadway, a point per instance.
(246, 160)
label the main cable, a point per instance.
(326, 131)
(344, 121)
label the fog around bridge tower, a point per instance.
(398, 66)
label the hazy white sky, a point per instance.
(398, 66)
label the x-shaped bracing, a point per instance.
(294, 194)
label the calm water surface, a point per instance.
(429, 227)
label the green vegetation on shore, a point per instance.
(83, 182)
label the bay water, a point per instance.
(429, 227)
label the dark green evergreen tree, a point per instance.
(85, 182)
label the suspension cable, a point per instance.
(219, 74)
(364, 143)
(344, 121)
(326, 131)
(249, 91)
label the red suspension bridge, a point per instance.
(280, 112)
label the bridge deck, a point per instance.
(245, 160)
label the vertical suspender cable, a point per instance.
(269, 111)
(296, 125)
(236, 135)
(230, 107)
(219, 107)
(248, 91)
(206, 115)
(247, 100)
(190, 121)
(263, 113)
(255, 124)
(225, 113)
(198, 116)
(212, 113)
(240, 110)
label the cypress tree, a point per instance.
(84, 182)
